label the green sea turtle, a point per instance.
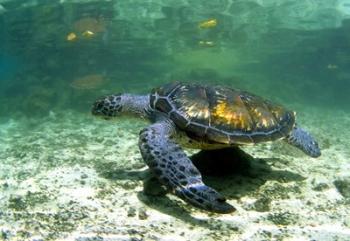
(203, 117)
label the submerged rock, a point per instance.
(343, 186)
(262, 204)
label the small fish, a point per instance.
(88, 34)
(2, 9)
(332, 66)
(205, 43)
(71, 37)
(210, 23)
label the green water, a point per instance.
(287, 52)
(65, 175)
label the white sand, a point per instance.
(73, 177)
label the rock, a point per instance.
(132, 212)
(143, 214)
(262, 204)
(343, 186)
(320, 186)
(282, 218)
(17, 203)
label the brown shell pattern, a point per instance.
(223, 115)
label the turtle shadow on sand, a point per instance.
(231, 171)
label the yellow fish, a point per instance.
(71, 37)
(88, 34)
(210, 23)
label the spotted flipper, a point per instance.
(175, 170)
(304, 141)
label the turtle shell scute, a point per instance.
(221, 114)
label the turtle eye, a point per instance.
(99, 106)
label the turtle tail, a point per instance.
(303, 141)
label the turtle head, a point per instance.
(111, 106)
(108, 106)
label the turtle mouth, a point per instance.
(97, 108)
(100, 108)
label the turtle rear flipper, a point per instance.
(303, 141)
(175, 170)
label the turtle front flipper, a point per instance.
(175, 170)
(304, 141)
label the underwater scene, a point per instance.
(164, 120)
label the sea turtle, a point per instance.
(204, 117)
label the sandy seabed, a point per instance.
(69, 176)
